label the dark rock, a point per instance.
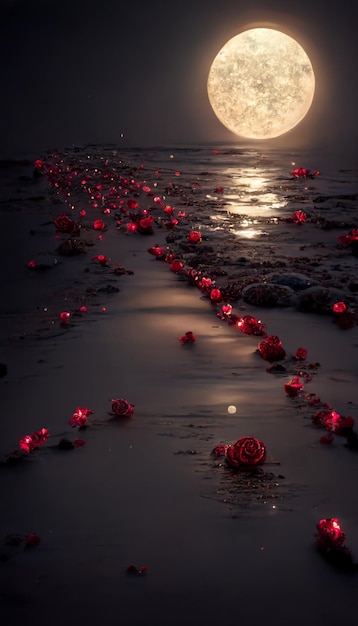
(319, 299)
(269, 295)
(297, 282)
(71, 247)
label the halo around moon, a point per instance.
(261, 84)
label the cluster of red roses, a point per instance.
(79, 418)
(33, 441)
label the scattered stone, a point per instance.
(71, 247)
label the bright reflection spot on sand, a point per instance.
(248, 233)
(252, 192)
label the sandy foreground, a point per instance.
(146, 490)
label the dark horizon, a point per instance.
(80, 75)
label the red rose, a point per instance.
(102, 259)
(65, 224)
(219, 450)
(26, 443)
(194, 236)
(301, 354)
(80, 417)
(330, 535)
(337, 423)
(176, 266)
(293, 386)
(299, 217)
(226, 309)
(145, 224)
(271, 349)
(33, 441)
(250, 325)
(99, 225)
(158, 252)
(215, 295)
(347, 239)
(65, 317)
(339, 307)
(247, 452)
(187, 338)
(300, 172)
(122, 407)
(40, 437)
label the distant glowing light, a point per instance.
(231, 409)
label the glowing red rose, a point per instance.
(65, 224)
(40, 437)
(99, 225)
(251, 326)
(337, 423)
(300, 172)
(271, 349)
(80, 417)
(299, 217)
(145, 224)
(215, 295)
(219, 450)
(65, 317)
(301, 354)
(158, 252)
(122, 407)
(194, 237)
(339, 307)
(293, 387)
(26, 443)
(205, 282)
(33, 441)
(102, 259)
(330, 535)
(226, 309)
(247, 452)
(349, 238)
(187, 338)
(176, 266)
(39, 164)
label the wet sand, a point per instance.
(146, 490)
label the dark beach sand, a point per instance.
(145, 490)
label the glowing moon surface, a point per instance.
(261, 84)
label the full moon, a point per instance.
(261, 84)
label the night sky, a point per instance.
(79, 71)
